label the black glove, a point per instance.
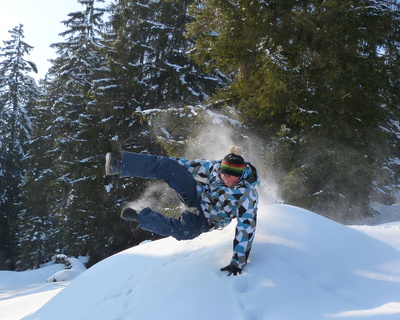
(232, 269)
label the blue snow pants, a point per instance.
(191, 223)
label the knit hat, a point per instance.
(233, 164)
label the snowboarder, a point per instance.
(229, 192)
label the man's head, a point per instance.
(232, 166)
(233, 163)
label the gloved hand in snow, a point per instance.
(232, 269)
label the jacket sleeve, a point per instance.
(199, 167)
(245, 228)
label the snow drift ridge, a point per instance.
(302, 267)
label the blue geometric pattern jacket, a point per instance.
(221, 204)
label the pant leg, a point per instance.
(188, 226)
(165, 169)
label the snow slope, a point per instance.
(302, 267)
(24, 292)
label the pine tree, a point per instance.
(68, 177)
(148, 68)
(79, 59)
(315, 73)
(18, 92)
(39, 237)
(149, 55)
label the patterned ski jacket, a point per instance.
(221, 204)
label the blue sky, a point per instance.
(42, 24)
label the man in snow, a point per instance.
(229, 192)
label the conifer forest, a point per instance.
(316, 83)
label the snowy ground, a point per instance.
(302, 267)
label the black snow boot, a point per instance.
(129, 214)
(113, 166)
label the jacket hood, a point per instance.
(250, 174)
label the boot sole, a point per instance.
(129, 217)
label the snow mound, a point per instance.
(24, 292)
(302, 266)
(76, 268)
